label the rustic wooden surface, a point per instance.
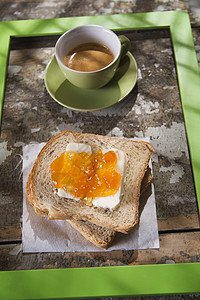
(152, 109)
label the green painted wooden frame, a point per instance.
(125, 280)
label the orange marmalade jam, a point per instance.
(86, 175)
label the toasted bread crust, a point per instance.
(41, 195)
(100, 236)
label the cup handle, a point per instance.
(125, 45)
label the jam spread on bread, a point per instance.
(86, 175)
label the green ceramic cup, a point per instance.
(91, 34)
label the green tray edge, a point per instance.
(98, 282)
(128, 280)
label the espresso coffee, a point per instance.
(89, 57)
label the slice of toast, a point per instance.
(100, 236)
(40, 191)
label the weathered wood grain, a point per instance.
(27, 9)
(174, 248)
(10, 232)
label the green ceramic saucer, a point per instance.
(68, 95)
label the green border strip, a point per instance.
(128, 280)
(104, 281)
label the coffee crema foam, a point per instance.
(89, 57)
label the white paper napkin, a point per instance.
(42, 235)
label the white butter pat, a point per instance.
(79, 147)
(64, 194)
(113, 201)
(109, 202)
